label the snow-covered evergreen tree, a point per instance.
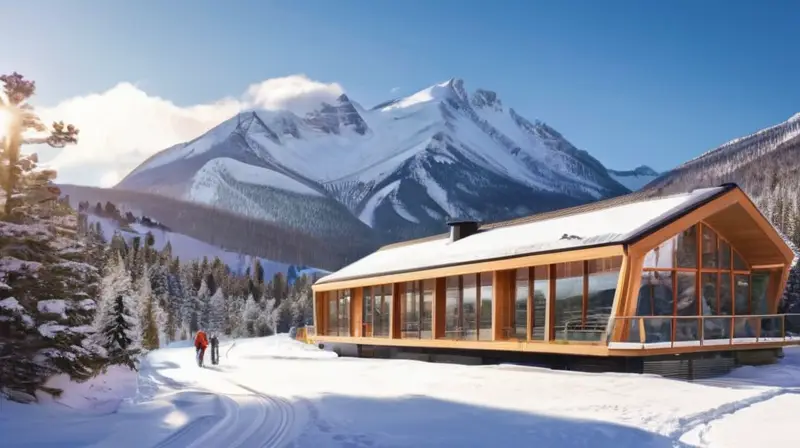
(266, 325)
(203, 305)
(250, 315)
(217, 311)
(235, 311)
(45, 283)
(149, 312)
(117, 321)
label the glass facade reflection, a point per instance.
(699, 295)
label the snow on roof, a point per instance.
(614, 224)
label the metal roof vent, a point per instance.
(462, 228)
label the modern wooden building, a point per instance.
(640, 275)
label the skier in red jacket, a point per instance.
(200, 345)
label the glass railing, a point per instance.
(688, 331)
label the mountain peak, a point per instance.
(482, 98)
(795, 117)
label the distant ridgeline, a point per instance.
(215, 227)
(126, 220)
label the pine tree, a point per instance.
(235, 311)
(250, 315)
(117, 321)
(25, 186)
(217, 311)
(46, 286)
(265, 324)
(203, 300)
(149, 312)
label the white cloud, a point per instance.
(394, 89)
(122, 126)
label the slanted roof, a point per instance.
(616, 221)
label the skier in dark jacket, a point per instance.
(214, 349)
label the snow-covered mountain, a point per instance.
(634, 179)
(401, 167)
(734, 156)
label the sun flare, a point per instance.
(5, 122)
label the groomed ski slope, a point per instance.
(274, 392)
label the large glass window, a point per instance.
(519, 324)
(758, 295)
(383, 315)
(416, 309)
(485, 310)
(603, 275)
(741, 294)
(377, 311)
(366, 318)
(569, 301)
(672, 289)
(662, 257)
(540, 295)
(344, 312)
(709, 248)
(333, 314)
(686, 248)
(428, 286)
(452, 321)
(468, 307)
(410, 315)
(531, 295)
(337, 305)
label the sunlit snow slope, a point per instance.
(275, 392)
(401, 167)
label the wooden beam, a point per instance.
(439, 308)
(550, 307)
(619, 299)
(394, 311)
(630, 300)
(475, 268)
(757, 267)
(561, 347)
(501, 290)
(653, 240)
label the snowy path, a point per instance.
(243, 415)
(274, 392)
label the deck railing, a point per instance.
(690, 331)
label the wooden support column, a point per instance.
(394, 313)
(550, 307)
(356, 311)
(618, 306)
(439, 307)
(501, 296)
(630, 297)
(319, 311)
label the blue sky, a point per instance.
(633, 82)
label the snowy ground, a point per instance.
(272, 392)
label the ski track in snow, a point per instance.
(250, 418)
